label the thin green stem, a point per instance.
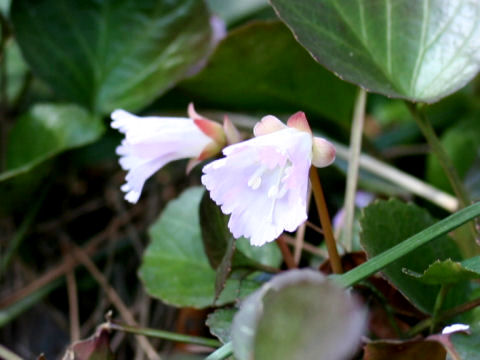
(317, 190)
(167, 335)
(460, 309)
(387, 257)
(221, 353)
(438, 305)
(437, 148)
(353, 166)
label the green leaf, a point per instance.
(220, 323)
(417, 50)
(386, 224)
(260, 67)
(16, 70)
(448, 272)
(287, 319)
(111, 54)
(462, 144)
(45, 131)
(175, 268)
(408, 245)
(218, 240)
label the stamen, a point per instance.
(255, 180)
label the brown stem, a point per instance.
(286, 253)
(325, 221)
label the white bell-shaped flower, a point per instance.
(151, 142)
(263, 182)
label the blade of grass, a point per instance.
(221, 353)
(387, 257)
(162, 334)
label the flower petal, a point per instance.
(267, 125)
(152, 142)
(263, 184)
(323, 152)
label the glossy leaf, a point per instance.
(448, 272)
(175, 268)
(111, 54)
(287, 319)
(260, 67)
(45, 131)
(418, 50)
(387, 223)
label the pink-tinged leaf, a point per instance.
(323, 152)
(299, 121)
(212, 129)
(267, 125)
(231, 132)
(192, 113)
(96, 347)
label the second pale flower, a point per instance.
(263, 182)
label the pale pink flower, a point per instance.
(151, 142)
(263, 182)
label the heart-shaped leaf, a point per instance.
(175, 268)
(387, 223)
(111, 54)
(412, 49)
(299, 314)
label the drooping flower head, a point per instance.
(263, 182)
(151, 142)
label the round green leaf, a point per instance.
(175, 268)
(111, 54)
(299, 314)
(412, 49)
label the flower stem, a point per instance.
(167, 335)
(438, 149)
(353, 165)
(438, 305)
(325, 221)
(460, 309)
(286, 253)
